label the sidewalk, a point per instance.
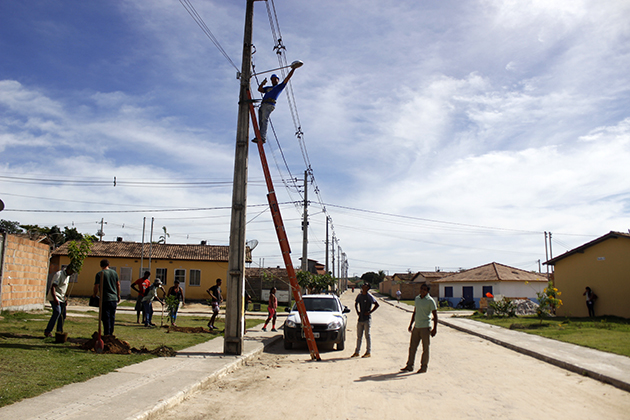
(144, 390)
(605, 367)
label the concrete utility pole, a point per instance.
(305, 226)
(326, 244)
(234, 314)
(333, 255)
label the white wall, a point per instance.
(508, 289)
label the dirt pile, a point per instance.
(112, 344)
(188, 330)
(162, 351)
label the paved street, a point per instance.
(468, 377)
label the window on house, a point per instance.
(180, 276)
(160, 273)
(448, 291)
(194, 278)
(487, 289)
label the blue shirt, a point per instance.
(424, 308)
(272, 92)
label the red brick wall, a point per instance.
(24, 273)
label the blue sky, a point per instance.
(440, 133)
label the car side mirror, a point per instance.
(346, 310)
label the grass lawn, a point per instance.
(31, 364)
(610, 334)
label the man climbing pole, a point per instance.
(270, 97)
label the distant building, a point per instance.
(494, 278)
(196, 267)
(603, 265)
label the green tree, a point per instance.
(163, 237)
(10, 227)
(71, 234)
(314, 283)
(78, 251)
(548, 301)
(371, 277)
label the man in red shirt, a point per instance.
(140, 286)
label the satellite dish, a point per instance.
(252, 243)
(1, 205)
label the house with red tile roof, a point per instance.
(494, 278)
(196, 267)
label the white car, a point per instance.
(327, 317)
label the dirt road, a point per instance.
(467, 378)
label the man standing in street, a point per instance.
(364, 304)
(110, 297)
(215, 295)
(424, 308)
(57, 298)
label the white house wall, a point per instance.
(509, 289)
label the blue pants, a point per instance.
(148, 313)
(109, 317)
(58, 316)
(174, 313)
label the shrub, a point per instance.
(504, 307)
(548, 301)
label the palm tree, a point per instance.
(162, 239)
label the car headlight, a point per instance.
(291, 324)
(334, 325)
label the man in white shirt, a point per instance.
(57, 298)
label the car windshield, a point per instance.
(319, 305)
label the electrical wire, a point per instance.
(199, 20)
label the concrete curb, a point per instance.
(180, 396)
(546, 358)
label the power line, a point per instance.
(139, 211)
(198, 19)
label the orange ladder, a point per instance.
(282, 239)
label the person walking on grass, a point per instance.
(57, 298)
(111, 295)
(140, 286)
(176, 291)
(147, 301)
(364, 304)
(424, 309)
(216, 299)
(272, 309)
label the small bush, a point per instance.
(503, 308)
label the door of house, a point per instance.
(467, 292)
(125, 281)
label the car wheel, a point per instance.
(288, 345)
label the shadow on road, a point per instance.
(384, 377)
